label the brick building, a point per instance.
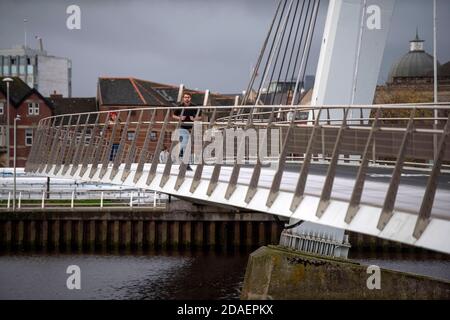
(32, 107)
(131, 93)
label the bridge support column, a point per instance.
(150, 234)
(276, 273)
(20, 233)
(261, 234)
(31, 235)
(138, 234)
(78, 234)
(103, 234)
(126, 235)
(91, 235)
(198, 234)
(212, 234)
(8, 234)
(248, 234)
(175, 234)
(274, 233)
(162, 235)
(67, 235)
(223, 235)
(237, 234)
(186, 234)
(43, 237)
(55, 234)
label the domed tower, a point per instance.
(415, 67)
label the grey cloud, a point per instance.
(202, 43)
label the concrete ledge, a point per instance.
(277, 273)
(124, 214)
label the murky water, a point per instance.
(184, 275)
(175, 276)
(435, 266)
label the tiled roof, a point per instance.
(116, 91)
(73, 105)
(18, 90)
(149, 94)
(137, 92)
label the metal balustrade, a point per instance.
(395, 137)
(79, 198)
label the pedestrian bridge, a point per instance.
(381, 170)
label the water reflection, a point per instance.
(172, 275)
(423, 263)
(189, 275)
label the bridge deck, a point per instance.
(409, 195)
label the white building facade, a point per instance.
(45, 73)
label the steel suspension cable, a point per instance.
(270, 51)
(261, 54)
(270, 58)
(306, 49)
(309, 46)
(281, 46)
(286, 50)
(293, 48)
(261, 83)
(307, 13)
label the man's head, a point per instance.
(113, 115)
(187, 98)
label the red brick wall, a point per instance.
(26, 122)
(160, 114)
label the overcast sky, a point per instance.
(205, 44)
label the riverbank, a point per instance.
(179, 225)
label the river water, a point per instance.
(176, 275)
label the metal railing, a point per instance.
(395, 136)
(73, 198)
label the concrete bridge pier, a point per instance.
(274, 272)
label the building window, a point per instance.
(13, 61)
(153, 136)
(33, 108)
(130, 135)
(2, 107)
(28, 137)
(87, 136)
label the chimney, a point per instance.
(54, 95)
(41, 45)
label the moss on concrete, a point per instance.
(278, 273)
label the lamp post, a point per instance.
(17, 118)
(435, 82)
(7, 81)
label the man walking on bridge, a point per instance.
(187, 119)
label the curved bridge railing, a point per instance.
(275, 159)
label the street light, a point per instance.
(291, 115)
(435, 82)
(17, 118)
(7, 81)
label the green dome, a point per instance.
(415, 64)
